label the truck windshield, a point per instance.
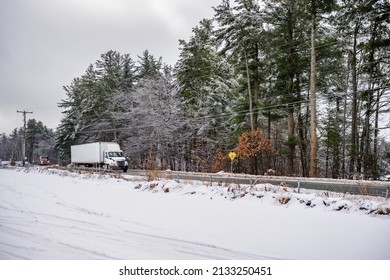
(115, 154)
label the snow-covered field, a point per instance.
(51, 214)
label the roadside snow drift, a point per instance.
(52, 214)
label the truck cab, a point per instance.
(115, 160)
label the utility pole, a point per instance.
(24, 112)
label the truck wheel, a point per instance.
(125, 168)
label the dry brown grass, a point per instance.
(284, 199)
(152, 175)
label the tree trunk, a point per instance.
(256, 93)
(269, 125)
(252, 119)
(376, 133)
(291, 141)
(343, 168)
(354, 130)
(302, 144)
(336, 144)
(302, 134)
(367, 153)
(313, 102)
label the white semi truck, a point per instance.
(99, 154)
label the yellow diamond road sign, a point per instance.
(232, 155)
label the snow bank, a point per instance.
(280, 195)
(54, 214)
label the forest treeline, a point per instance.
(297, 86)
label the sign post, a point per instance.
(232, 155)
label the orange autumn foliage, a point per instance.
(220, 161)
(254, 143)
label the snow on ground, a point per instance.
(51, 214)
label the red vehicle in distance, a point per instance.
(43, 160)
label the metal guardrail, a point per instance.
(360, 187)
(386, 193)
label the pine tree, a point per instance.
(93, 102)
(365, 24)
(239, 34)
(316, 7)
(286, 37)
(148, 66)
(205, 84)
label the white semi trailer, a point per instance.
(99, 154)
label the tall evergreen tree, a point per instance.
(366, 25)
(205, 84)
(287, 36)
(91, 104)
(239, 33)
(148, 66)
(316, 8)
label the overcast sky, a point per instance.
(44, 44)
